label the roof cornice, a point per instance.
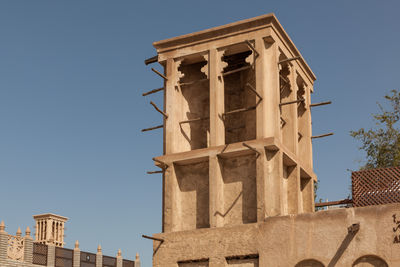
(268, 20)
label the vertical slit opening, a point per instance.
(239, 126)
(302, 120)
(195, 108)
(286, 111)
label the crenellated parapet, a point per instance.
(22, 251)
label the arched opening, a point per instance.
(309, 263)
(370, 261)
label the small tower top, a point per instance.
(50, 215)
(50, 229)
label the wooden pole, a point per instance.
(322, 135)
(153, 91)
(284, 79)
(159, 110)
(225, 147)
(153, 172)
(334, 203)
(250, 45)
(238, 110)
(288, 59)
(291, 102)
(194, 120)
(153, 238)
(193, 82)
(320, 104)
(253, 90)
(162, 163)
(151, 60)
(251, 148)
(153, 128)
(159, 73)
(236, 70)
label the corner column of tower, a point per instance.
(217, 138)
(269, 163)
(172, 104)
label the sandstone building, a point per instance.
(47, 248)
(237, 166)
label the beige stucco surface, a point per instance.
(288, 240)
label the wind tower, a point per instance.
(50, 229)
(237, 132)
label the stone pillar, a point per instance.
(171, 106)
(217, 130)
(62, 232)
(28, 246)
(99, 257)
(217, 137)
(293, 189)
(309, 127)
(137, 260)
(269, 163)
(37, 231)
(119, 259)
(171, 208)
(49, 232)
(77, 255)
(271, 166)
(216, 185)
(261, 185)
(292, 140)
(3, 242)
(267, 85)
(51, 254)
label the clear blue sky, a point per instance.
(71, 110)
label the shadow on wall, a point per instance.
(309, 263)
(370, 261)
(364, 261)
(193, 185)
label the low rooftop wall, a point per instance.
(21, 251)
(341, 237)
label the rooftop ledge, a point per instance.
(256, 23)
(50, 215)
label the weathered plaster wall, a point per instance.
(193, 195)
(288, 240)
(240, 190)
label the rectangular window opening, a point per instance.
(243, 261)
(194, 263)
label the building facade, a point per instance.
(47, 248)
(238, 179)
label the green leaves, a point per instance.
(382, 144)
